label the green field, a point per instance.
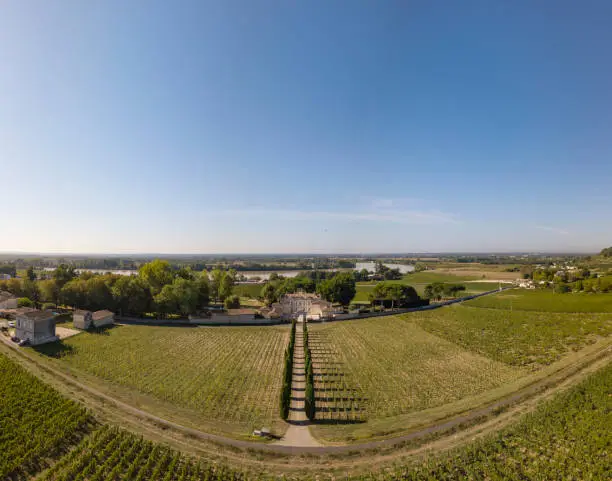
(365, 288)
(111, 454)
(251, 291)
(36, 423)
(545, 301)
(517, 338)
(227, 379)
(566, 438)
(383, 367)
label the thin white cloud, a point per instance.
(555, 230)
(384, 215)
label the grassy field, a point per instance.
(546, 301)
(517, 338)
(248, 290)
(227, 377)
(566, 438)
(472, 287)
(113, 454)
(383, 367)
(36, 423)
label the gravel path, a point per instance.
(298, 434)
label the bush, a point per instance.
(232, 302)
(25, 302)
(285, 397)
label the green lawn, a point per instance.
(517, 338)
(545, 300)
(229, 378)
(248, 290)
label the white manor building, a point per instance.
(306, 304)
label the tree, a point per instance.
(30, 289)
(269, 293)
(49, 291)
(98, 294)
(232, 302)
(156, 274)
(182, 296)
(25, 302)
(30, 274)
(216, 276)
(434, 291)
(397, 295)
(339, 288)
(227, 286)
(131, 295)
(63, 274)
(451, 290)
(14, 287)
(607, 252)
(74, 293)
(203, 285)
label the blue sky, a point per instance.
(322, 126)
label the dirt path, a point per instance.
(298, 433)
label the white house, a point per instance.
(103, 318)
(7, 300)
(37, 327)
(82, 319)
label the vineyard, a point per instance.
(566, 438)
(36, 423)
(376, 368)
(545, 300)
(230, 378)
(111, 454)
(517, 338)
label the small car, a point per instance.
(15, 339)
(11, 324)
(24, 342)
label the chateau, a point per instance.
(305, 304)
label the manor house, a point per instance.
(306, 304)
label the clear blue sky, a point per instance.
(320, 126)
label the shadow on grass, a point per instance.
(54, 349)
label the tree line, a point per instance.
(158, 288)
(336, 287)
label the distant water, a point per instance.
(371, 267)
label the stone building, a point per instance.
(308, 305)
(37, 327)
(85, 319)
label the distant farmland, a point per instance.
(546, 301)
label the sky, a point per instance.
(350, 126)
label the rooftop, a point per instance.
(101, 314)
(35, 315)
(4, 295)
